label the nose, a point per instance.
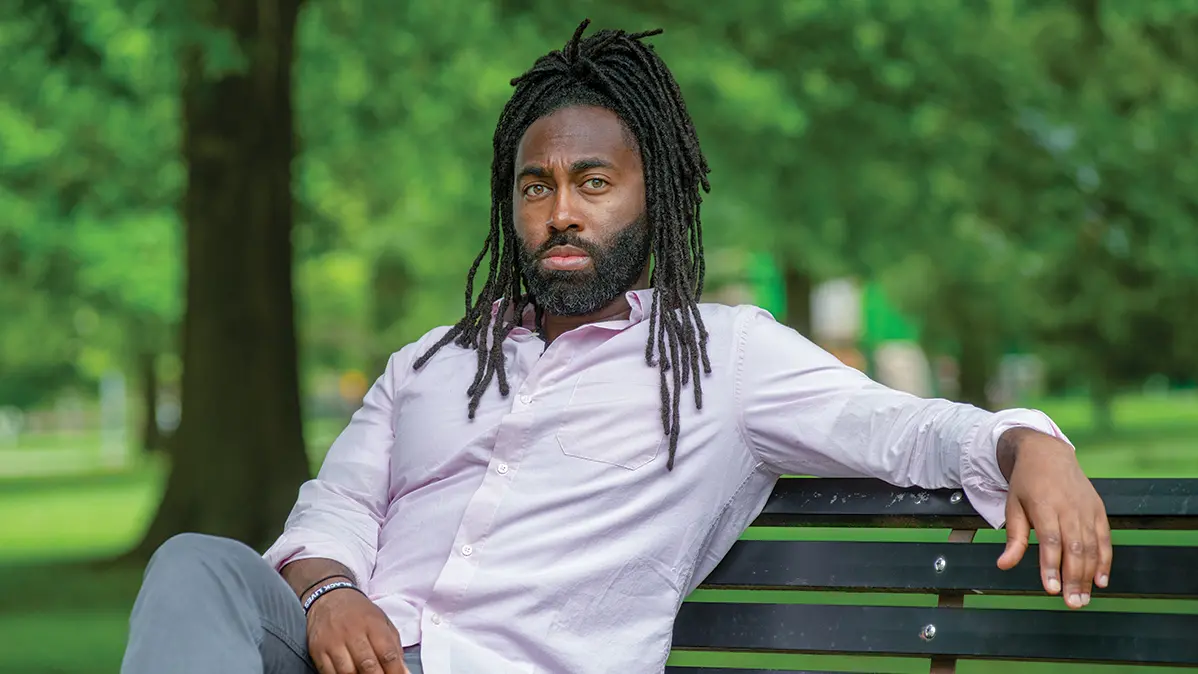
(565, 215)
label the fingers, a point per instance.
(362, 656)
(1049, 537)
(386, 646)
(343, 661)
(1089, 560)
(1075, 555)
(1102, 533)
(324, 664)
(365, 659)
(1017, 533)
(1076, 562)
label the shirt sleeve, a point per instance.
(339, 513)
(803, 412)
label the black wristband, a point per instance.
(325, 589)
(313, 585)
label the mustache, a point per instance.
(566, 238)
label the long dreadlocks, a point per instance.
(618, 71)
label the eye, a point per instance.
(535, 190)
(596, 183)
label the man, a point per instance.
(538, 487)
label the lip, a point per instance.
(565, 258)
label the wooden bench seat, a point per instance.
(948, 571)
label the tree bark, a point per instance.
(972, 328)
(798, 285)
(390, 289)
(975, 369)
(147, 371)
(1102, 404)
(239, 453)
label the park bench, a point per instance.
(1155, 562)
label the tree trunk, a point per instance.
(798, 285)
(1102, 399)
(238, 456)
(151, 438)
(975, 369)
(390, 289)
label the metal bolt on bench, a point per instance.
(950, 631)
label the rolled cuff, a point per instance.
(981, 477)
(293, 546)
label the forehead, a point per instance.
(577, 131)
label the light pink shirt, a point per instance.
(547, 535)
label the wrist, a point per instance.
(1009, 445)
(1015, 443)
(316, 595)
(306, 592)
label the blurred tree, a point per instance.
(854, 126)
(1013, 171)
(1026, 154)
(239, 453)
(87, 179)
(1114, 244)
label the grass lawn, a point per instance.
(62, 615)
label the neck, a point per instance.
(552, 325)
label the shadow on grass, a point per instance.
(71, 586)
(66, 618)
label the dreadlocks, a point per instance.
(618, 71)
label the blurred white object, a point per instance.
(836, 312)
(12, 421)
(903, 366)
(732, 295)
(113, 419)
(1020, 377)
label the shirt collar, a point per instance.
(640, 303)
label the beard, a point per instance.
(615, 268)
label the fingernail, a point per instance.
(1075, 599)
(1103, 580)
(1085, 599)
(1054, 585)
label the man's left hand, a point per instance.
(1050, 493)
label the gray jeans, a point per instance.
(211, 604)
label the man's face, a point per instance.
(579, 207)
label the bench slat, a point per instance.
(1132, 503)
(989, 634)
(1137, 571)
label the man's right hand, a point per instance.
(348, 634)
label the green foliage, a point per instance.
(89, 176)
(1014, 172)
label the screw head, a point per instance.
(928, 633)
(955, 498)
(940, 564)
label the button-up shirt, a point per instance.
(546, 535)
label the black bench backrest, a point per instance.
(951, 569)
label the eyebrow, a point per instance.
(585, 164)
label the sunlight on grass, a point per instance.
(1132, 413)
(77, 519)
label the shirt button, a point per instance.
(526, 399)
(467, 551)
(501, 469)
(436, 619)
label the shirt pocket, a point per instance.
(615, 423)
